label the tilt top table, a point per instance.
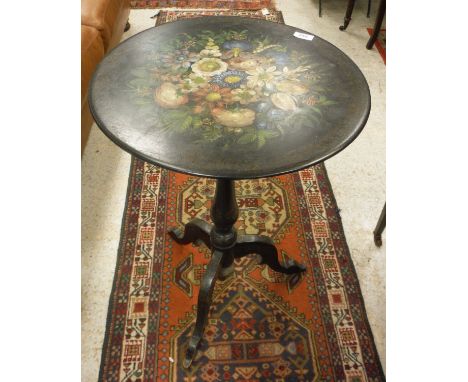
(228, 98)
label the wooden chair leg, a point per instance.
(379, 228)
(378, 24)
(349, 12)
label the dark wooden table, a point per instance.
(228, 98)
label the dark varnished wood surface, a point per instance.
(314, 102)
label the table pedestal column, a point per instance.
(226, 245)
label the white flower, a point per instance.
(209, 66)
(284, 101)
(260, 77)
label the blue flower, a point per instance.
(230, 79)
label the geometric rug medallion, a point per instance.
(262, 326)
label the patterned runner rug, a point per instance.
(263, 326)
(228, 4)
(380, 42)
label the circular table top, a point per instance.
(229, 97)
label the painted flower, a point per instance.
(229, 79)
(261, 77)
(176, 60)
(233, 118)
(192, 83)
(244, 95)
(236, 47)
(211, 49)
(212, 96)
(209, 66)
(284, 101)
(291, 87)
(169, 96)
(246, 61)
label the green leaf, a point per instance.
(197, 121)
(187, 122)
(247, 138)
(269, 133)
(261, 141)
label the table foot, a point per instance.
(204, 301)
(264, 246)
(196, 229)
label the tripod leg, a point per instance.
(265, 247)
(204, 302)
(196, 229)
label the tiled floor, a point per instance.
(357, 175)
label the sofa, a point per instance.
(103, 23)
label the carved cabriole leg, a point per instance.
(204, 301)
(264, 246)
(196, 229)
